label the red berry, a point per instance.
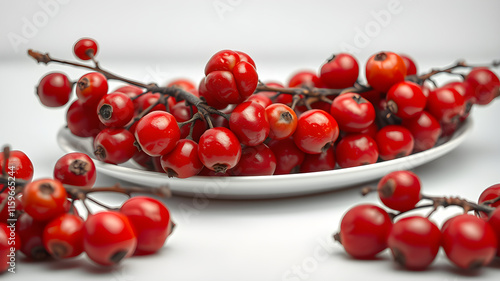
(82, 121)
(446, 105)
(255, 161)
(393, 142)
(385, 69)
(324, 161)
(425, 130)
(85, 48)
(364, 230)
(484, 83)
(316, 131)
(63, 236)
(406, 99)
(18, 165)
(146, 100)
(352, 112)
(339, 72)
(150, 219)
(54, 89)
(91, 87)
(182, 113)
(282, 120)
(414, 242)
(261, 99)
(130, 91)
(30, 232)
(490, 193)
(304, 78)
(288, 155)
(219, 149)
(399, 190)
(44, 199)
(466, 91)
(114, 145)
(356, 150)
(183, 161)
(230, 77)
(157, 133)
(249, 123)
(468, 241)
(411, 67)
(75, 169)
(494, 222)
(115, 110)
(108, 237)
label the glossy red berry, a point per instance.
(249, 123)
(316, 131)
(63, 236)
(494, 222)
(364, 230)
(468, 241)
(406, 99)
(151, 221)
(340, 71)
(114, 145)
(466, 91)
(85, 48)
(399, 190)
(411, 66)
(130, 91)
(44, 199)
(425, 130)
(182, 113)
(255, 161)
(230, 77)
(91, 87)
(115, 110)
(446, 105)
(145, 101)
(484, 83)
(490, 193)
(183, 161)
(282, 120)
(324, 161)
(82, 121)
(108, 237)
(304, 78)
(54, 90)
(356, 150)
(30, 232)
(76, 169)
(385, 69)
(219, 149)
(288, 155)
(261, 99)
(414, 242)
(157, 133)
(394, 141)
(352, 112)
(18, 165)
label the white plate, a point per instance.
(262, 186)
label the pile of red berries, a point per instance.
(39, 218)
(233, 124)
(469, 241)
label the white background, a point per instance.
(162, 40)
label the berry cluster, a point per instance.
(469, 241)
(39, 217)
(233, 124)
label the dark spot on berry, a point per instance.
(380, 56)
(46, 188)
(106, 111)
(118, 256)
(79, 167)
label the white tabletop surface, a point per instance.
(275, 239)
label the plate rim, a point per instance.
(182, 186)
